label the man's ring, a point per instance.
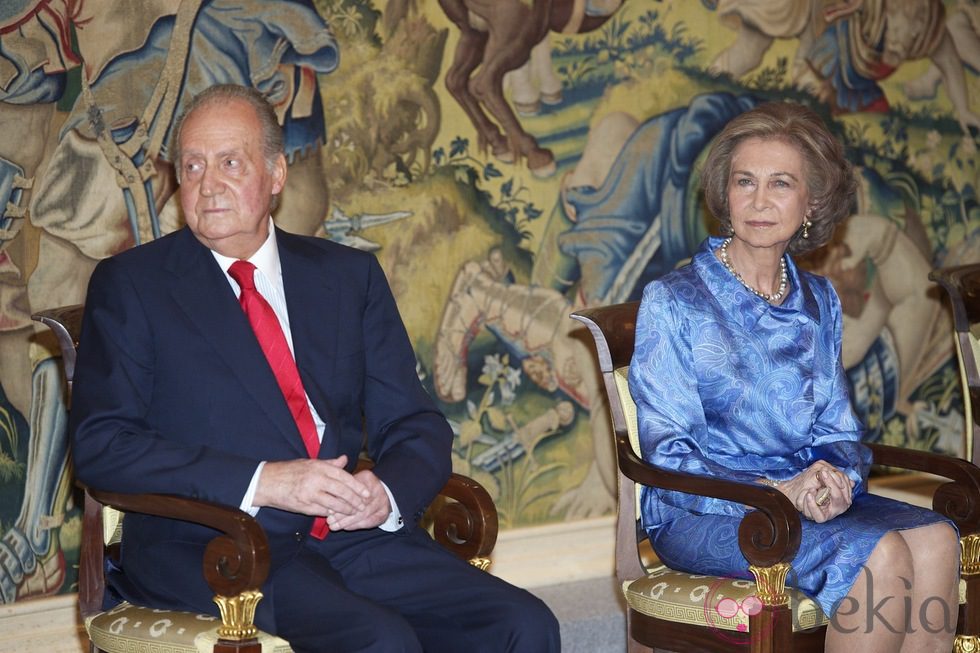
(823, 496)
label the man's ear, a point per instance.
(279, 174)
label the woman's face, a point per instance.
(767, 193)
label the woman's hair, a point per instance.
(273, 143)
(829, 177)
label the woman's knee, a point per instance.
(934, 548)
(937, 556)
(891, 557)
(945, 541)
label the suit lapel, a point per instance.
(207, 299)
(312, 300)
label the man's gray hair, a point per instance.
(273, 143)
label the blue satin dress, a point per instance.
(730, 386)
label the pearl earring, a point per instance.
(806, 228)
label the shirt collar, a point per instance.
(265, 259)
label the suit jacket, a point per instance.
(172, 394)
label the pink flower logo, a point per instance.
(720, 610)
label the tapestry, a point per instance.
(508, 162)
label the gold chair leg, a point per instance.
(238, 615)
(772, 628)
(480, 563)
(771, 583)
(970, 554)
(966, 644)
(969, 570)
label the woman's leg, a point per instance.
(935, 592)
(873, 616)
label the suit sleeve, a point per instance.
(114, 446)
(407, 436)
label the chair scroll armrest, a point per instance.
(463, 517)
(958, 500)
(466, 524)
(236, 561)
(767, 535)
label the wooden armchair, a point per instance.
(962, 284)
(463, 518)
(683, 612)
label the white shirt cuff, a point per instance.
(250, 492)
(394, 521)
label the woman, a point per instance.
(737, 374)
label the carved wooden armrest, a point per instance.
(464, 520)
(235, 563)
(959, 500)
(768, 535)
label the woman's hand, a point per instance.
(807, 487)
(840, 489)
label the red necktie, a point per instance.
(273, 342)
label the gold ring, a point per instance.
(823, 496)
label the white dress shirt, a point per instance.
(268, 282)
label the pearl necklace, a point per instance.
(783, 277)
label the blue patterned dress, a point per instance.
(728, 385)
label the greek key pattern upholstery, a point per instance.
(132, 628)
(712, 601)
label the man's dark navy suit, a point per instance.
(172, 394)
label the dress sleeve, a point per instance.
(836, 430)
(670, 417)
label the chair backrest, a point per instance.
(962, 284)
(613, 329)
(101, 525)
(66, 324)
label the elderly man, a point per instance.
(235, 362)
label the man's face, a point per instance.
(226, 184)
